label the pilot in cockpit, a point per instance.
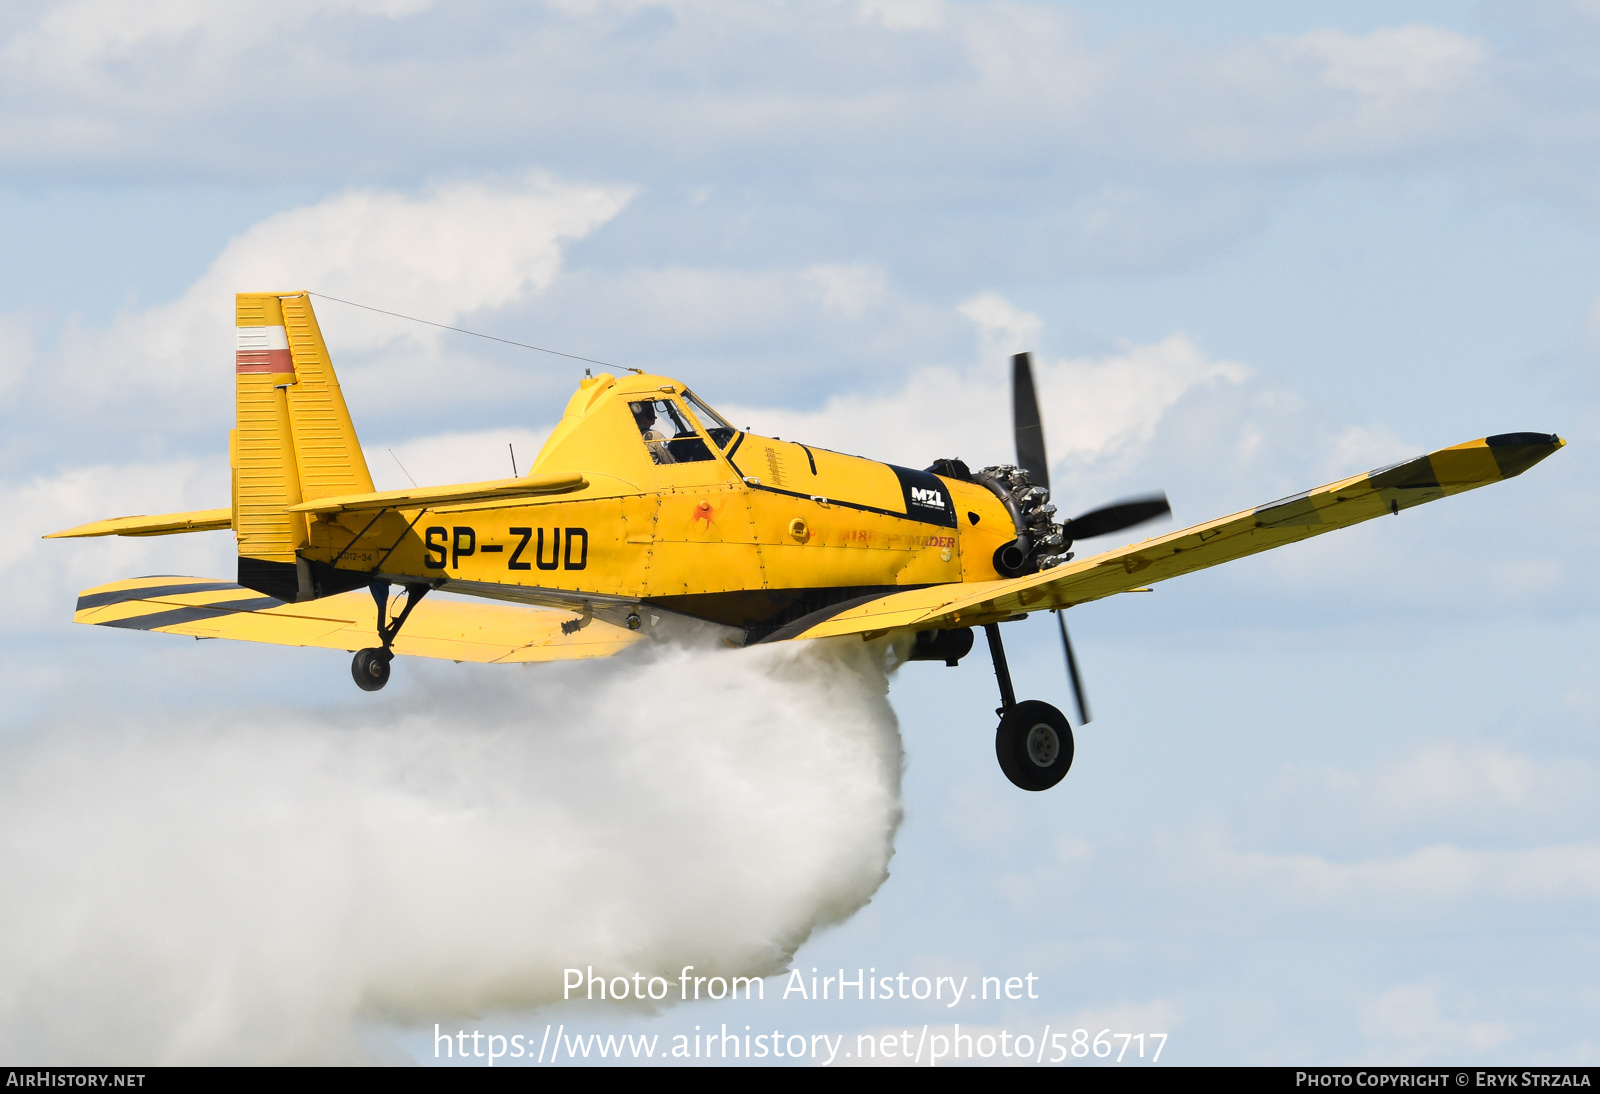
(644, 413)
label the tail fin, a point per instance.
(294, 442)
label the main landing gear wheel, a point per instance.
(1034, 745)
(371, 668)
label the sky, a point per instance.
(1337, 803)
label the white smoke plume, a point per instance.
(250, 887)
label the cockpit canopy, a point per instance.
(668, 433)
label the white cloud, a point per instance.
(1116, 401)
(439, 253)
(451, 249)
(1003, 328)
(673, 85)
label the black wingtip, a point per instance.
(1514, 453)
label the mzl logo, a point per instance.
(931, 498)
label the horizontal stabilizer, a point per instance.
(432, 497)
(166, 524)
(447, 629)
(1338, 505)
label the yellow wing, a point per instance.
(427, 497)
(430, 497)
(201, 520)
(1337, 505)
(212, 608)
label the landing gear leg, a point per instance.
(371, 666)
(1034, 740)
(1002, 674)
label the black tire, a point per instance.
(1034, 745)
(371, 668)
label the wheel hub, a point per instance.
(1043, 745)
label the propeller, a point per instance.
(1117, 516)
(1029, 431)
(1078, 696)
(1025, 422)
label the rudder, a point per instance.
(293, 442)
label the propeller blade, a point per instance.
(1025, 422)
(1072, 670)
(1116, 517)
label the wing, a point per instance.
(212, 608)
(1337, 505)
(428, 497)
(201, 520)
(431, 497)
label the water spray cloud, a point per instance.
(250, 887)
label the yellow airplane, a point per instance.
(645, 507)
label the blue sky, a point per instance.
(1337, 804)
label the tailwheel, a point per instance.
(371, 668)
(371, 665)
(1034, 745)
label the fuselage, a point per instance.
(683, 513)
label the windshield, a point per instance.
(716, 427)
(666, 434)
